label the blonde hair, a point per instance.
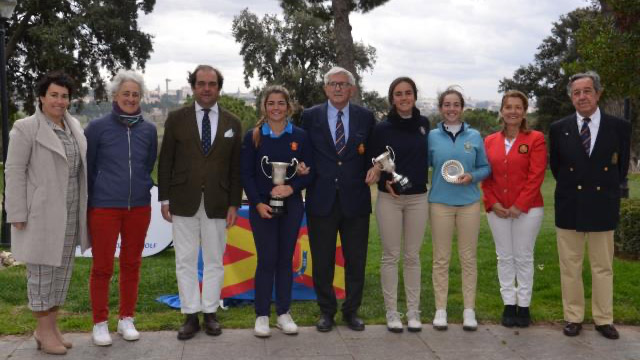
(268, 91)
(525, 103)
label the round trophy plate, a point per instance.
(451, 170)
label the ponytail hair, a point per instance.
(272, 89)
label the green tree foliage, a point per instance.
(376, 103)
(82, 37)
(339, 10)
(544, 80)
(294, 51)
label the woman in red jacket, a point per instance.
(512, 198)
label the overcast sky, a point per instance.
(471, 43)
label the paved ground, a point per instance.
(489, 342)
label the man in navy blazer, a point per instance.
(589, 159)
(339, 199)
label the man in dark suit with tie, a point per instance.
(200, 190)
(589, 159)
(339, 199)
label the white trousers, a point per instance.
(515, 240)
(189, 234)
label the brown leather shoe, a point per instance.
(572, 329)
(608, 331)
(211, 325)
(190, 327)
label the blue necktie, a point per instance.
(340, 143)
(206, 131)
(585, 135)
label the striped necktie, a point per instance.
(340, 143)
(585, 135)
(206, 131)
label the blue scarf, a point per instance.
(127, 119)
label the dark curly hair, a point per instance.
(57, 77)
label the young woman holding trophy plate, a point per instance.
(457, 155)
(276, 142)
(399, 145)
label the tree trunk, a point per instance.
(344, 42)
(17, 35)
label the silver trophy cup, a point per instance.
(279, 176)
(385, 162)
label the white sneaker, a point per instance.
(262, 327)
(394, 324)
(101, 335)
(414, 324)
(469, 322)
(286, 324)
(127, 329)
(440, 320)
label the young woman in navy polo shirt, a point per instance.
(275, 236)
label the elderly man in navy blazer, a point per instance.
(339, 199)
(589, 159)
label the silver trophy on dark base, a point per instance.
(279, 176)
(385, 162)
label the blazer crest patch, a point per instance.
(294, 146)
(361, 149)
(468, 146)
(523, 148)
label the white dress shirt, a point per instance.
(213, 117)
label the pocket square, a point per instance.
(228, 133)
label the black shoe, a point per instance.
(353, 322)
(190, 327)
(608, 331)
(572, 329)
(523, 317)
(509, 316)
(325, 323)
(211, 325)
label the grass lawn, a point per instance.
(158, 277)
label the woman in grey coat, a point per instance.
(46, 201)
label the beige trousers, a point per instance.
(444, 220)
(401, 223)
(571, 253)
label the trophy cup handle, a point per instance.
(262, 161)
(393, 155)
(295, 168)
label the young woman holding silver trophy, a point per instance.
(275, 202)
(400, 146)
(457, 155)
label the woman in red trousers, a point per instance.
(121, 152)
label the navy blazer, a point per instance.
(587, 196)
(346, 172)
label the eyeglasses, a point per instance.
(342, 85)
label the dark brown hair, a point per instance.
(396, 82)
(450, 90)
(192, 75)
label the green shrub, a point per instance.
(627, 236)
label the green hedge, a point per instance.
(627, 237)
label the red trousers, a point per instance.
(105, 224)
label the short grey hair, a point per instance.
(338, 70)
(597, 85)
(123, 76)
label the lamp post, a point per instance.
(6, 10)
